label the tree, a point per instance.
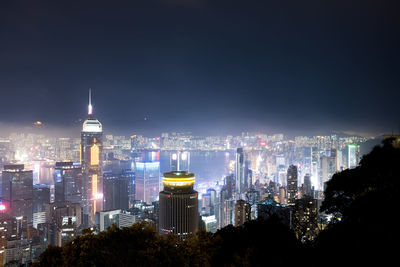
(365, 199)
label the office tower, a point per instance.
(3, 239)
(240, 172)
(68, 182)
(91, 149)
(63, 220)
(291, 184)
(315, 165)
(306, 188)
(282, 175)
(213, 201)
(248, 175)
(205, 204)
(242, 212)
(43, 172)
(210, 222)
(180, 161)
(339, 160)
(307, 158)
(282, 195)
(174, 161)
(229, 183)
(178, 205)
(117, 189)
(61, 212)
(147, 180)
(129, 175)
(41, 197)
(118, 217)
(253, 197)
(17, 191)
(352, 155)
(305, 218)
(226, 206)
(184, 161)
(328, 169)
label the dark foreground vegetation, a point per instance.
(364, 232)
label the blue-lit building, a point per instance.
(147, 180)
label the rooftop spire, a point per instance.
(90, 109)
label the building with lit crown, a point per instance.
(178, 206)
(91, 149)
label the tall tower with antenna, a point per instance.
(91, 161)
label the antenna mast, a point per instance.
(90, 109)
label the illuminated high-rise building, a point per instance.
(17, 191)
(68, 182)
(147, 180)
(242, 212)
(184, 161)
(291, 184)
(180, 161)
(306, 188)
(352, 155)
(91, 149)
(240, 172)
(328, 169)
(178, 206)
(117, 189)
(174, 161)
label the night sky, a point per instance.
(210, 67)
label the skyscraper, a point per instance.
(117, 189)
(17, 191)
(328, 169)
(242, 212)
(180, 161)
(306, 188)
(240, 172)
(178, 206)
(68, 182)
(352, 155)
(91, 149)
(147, 180)
(291, 184)
(184, 161)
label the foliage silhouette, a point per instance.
(366, 200)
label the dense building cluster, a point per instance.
(54, 188)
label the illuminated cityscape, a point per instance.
(70, 184)
(199, 133)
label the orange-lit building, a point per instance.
(91, 151)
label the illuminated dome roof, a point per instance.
(178, 178)
(92, 125)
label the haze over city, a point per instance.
(209, 67)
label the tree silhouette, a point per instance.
(365, 199)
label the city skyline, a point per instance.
(199, 132)
(212, 68)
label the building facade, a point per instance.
(178, 206)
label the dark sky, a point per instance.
(205, 66)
